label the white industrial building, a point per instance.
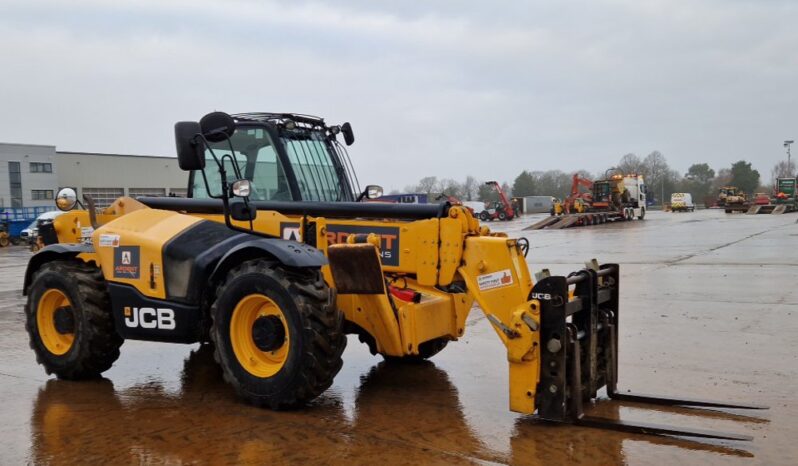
(31, 174)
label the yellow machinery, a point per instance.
(274, 260)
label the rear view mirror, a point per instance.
(373, 191)
(241, 188)
(66, 199)
(349, 136)
(190, 152)
(217, 126)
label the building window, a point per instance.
(41, 167)
(146, 192)
(103, 197)
(41, 194)
(15, 184)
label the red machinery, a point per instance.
(502, 209)
(586, 197)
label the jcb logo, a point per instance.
(148, 317)
(541, 296)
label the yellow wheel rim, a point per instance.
(56, 342)
(250, 316)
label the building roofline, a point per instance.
(115, 155)
(25, 144)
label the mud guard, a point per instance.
(287, 252)
(51, 253)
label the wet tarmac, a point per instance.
(709, 308)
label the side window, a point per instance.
(256, 161)
(268, 178)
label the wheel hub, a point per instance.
(268, 333)
(64, 320)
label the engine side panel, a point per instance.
(130, 248)
(139, 317)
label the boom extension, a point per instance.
(579, 337)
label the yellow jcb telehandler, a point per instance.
(273, 258)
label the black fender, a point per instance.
(49, 254)
(289, 253)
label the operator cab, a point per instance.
(285, 156)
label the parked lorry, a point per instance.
(617, 198)
(682, 202)
(784, 199)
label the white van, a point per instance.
(682, 202)
(33, 229)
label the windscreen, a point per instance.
(256, 158)
(314, 165)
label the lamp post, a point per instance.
(787, 145)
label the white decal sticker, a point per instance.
(85, 232)
(495, 280)
(148, 317)
(109, 241)
(291, 233)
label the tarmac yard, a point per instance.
(709, 309)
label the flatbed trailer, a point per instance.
(558, 222)
(775, 209)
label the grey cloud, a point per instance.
(443, 88)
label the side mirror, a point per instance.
(66, 199)
(190, 152)
(373, 191)
(242, 211)
(241, 188)
(217, 126)
(349, 136)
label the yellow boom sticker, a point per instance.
(495, 280)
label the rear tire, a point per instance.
(300, 353)
(66, 296)
(502, 216)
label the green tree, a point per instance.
(698, 181)
(524, 184)
(700, 172)
(744, 177)
(487, 193)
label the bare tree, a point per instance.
(427, 185)
(631, 163)
(781, 170)
(657, 172)
(470, 188)
(450, 187)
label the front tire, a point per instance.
(278, 334)
(69, 322)
(642, 213)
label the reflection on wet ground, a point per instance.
(682, 335)
(403, 414)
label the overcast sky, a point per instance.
(446, 88)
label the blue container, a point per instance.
(17, 219)
(15, 227)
